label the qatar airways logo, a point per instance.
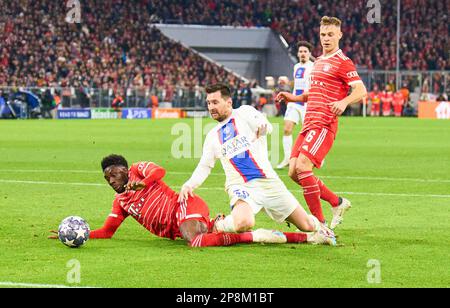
(236, 146)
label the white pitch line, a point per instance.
(357, 178)
(49, 183)
(223, 189)
(37, 285)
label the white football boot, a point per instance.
(269, 236)
(338, 213)
(322, 237)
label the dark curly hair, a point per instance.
(114, 160)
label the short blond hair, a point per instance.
(330, 21)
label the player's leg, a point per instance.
(194, 225)
(242, 218)
(281, 205)
(291, 118)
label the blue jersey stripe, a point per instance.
(244, 162)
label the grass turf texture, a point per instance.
(401, 223)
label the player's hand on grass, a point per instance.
(136, 186)
(53, 237)
(338, 107)
(185, 192)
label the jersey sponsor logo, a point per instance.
(235, 146)
(353, 74)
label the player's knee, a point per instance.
(293, 174)
(303, 164)
(244, 224)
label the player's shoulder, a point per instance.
(246, 109)
(141, 165)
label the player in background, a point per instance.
(331, 79)
(398, 101)
(375, 100)
(295, 111)
(142, 194)
(386, 101)
(239, 141)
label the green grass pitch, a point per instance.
(396, 172)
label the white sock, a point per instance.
(226, 225)
(287, 146)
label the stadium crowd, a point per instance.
(114, 47)
(424, 24)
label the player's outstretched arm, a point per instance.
(108, 230)
(289, 97)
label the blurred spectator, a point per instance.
(47, 101)
(117, 102)
(386, 101)
(398, 101)
(375, 100)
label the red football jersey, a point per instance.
(375, 98)
(155, 206)
(386, 97)
(398, 98)
(331, 79)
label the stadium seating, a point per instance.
(114, 46)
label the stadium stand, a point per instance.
(114, 47)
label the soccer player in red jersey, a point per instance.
(375, 99)
(332, 77)
(386, 100)
(142, 194)
(398, 101)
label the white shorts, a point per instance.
(268, 194)
(295, 113)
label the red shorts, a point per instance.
(314, 144)
(193, 209)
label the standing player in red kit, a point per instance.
(331, 79)
(142, 194)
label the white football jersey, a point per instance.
(233, 141)
(302, 72)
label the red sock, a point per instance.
(221, 239)
(328, 195)
(296, 237)
(311, 192)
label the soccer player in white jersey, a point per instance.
(239, 141)
(295, 111)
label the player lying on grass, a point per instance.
(142, 194)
